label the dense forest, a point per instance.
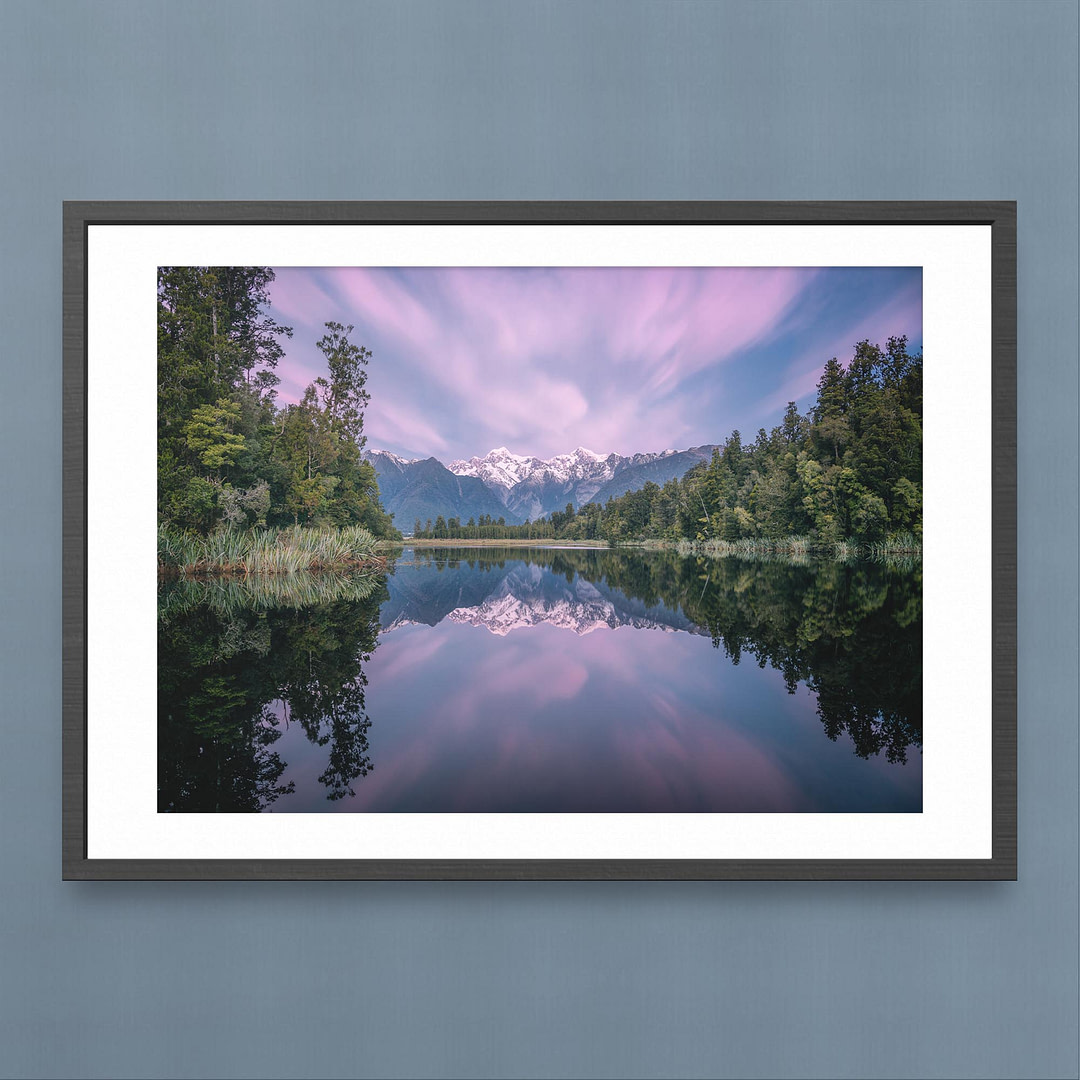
(850, 470)
(229, 456)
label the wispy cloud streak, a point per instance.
(545, 359)
(899, 315)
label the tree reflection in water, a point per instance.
(850, 631)
(239, 660)
(236, 662)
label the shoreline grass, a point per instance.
(538, 543)
(903, 550)
(288, 550)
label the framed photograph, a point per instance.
(539, 540)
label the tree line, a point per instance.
(485, 527)
(848, 470)
(228, 454)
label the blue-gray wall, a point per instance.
(184, 100)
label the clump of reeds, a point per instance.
(790, 549)
(846, 550)
(266, 551)
(903, 551)
(901, 544)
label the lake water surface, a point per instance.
(547, 680)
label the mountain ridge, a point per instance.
(518, 487)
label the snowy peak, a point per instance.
(397, 459)
(501, 467)
(516, 486)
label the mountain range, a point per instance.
(515, 487)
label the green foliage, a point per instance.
(266, 551)
(238, 661)
(343, 395)
(209, 435)
(243, 507)
(849, 472)
(228, 455)
(850, 630)
(195, 502)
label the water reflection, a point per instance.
(548, 680)
(241, 662)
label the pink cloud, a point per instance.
(399, 424)
(519, 677)
(510, 352)
(297, 296)
(545, 359)
(409, 662)
(375, 298)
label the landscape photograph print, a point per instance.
(539, 539)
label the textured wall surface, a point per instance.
(322, 100)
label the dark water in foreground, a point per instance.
(545, 680)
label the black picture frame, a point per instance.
(999, 215)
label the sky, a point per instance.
(542, 360)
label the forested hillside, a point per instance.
(848, 471)
(228, 453)
(851, 470)
(427, 488)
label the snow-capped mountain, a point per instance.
(500, 467)
(517, 487)
(531, 487)
(399, 461)
(424, 488)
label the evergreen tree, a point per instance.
(226, 453)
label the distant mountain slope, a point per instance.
(660, 469)
(532, 487)
(425, 489)
(514, 487)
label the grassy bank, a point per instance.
(547, 542)
(901, 549)
(266, 551)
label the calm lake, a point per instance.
(547, 680)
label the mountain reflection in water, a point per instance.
(546, 680)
